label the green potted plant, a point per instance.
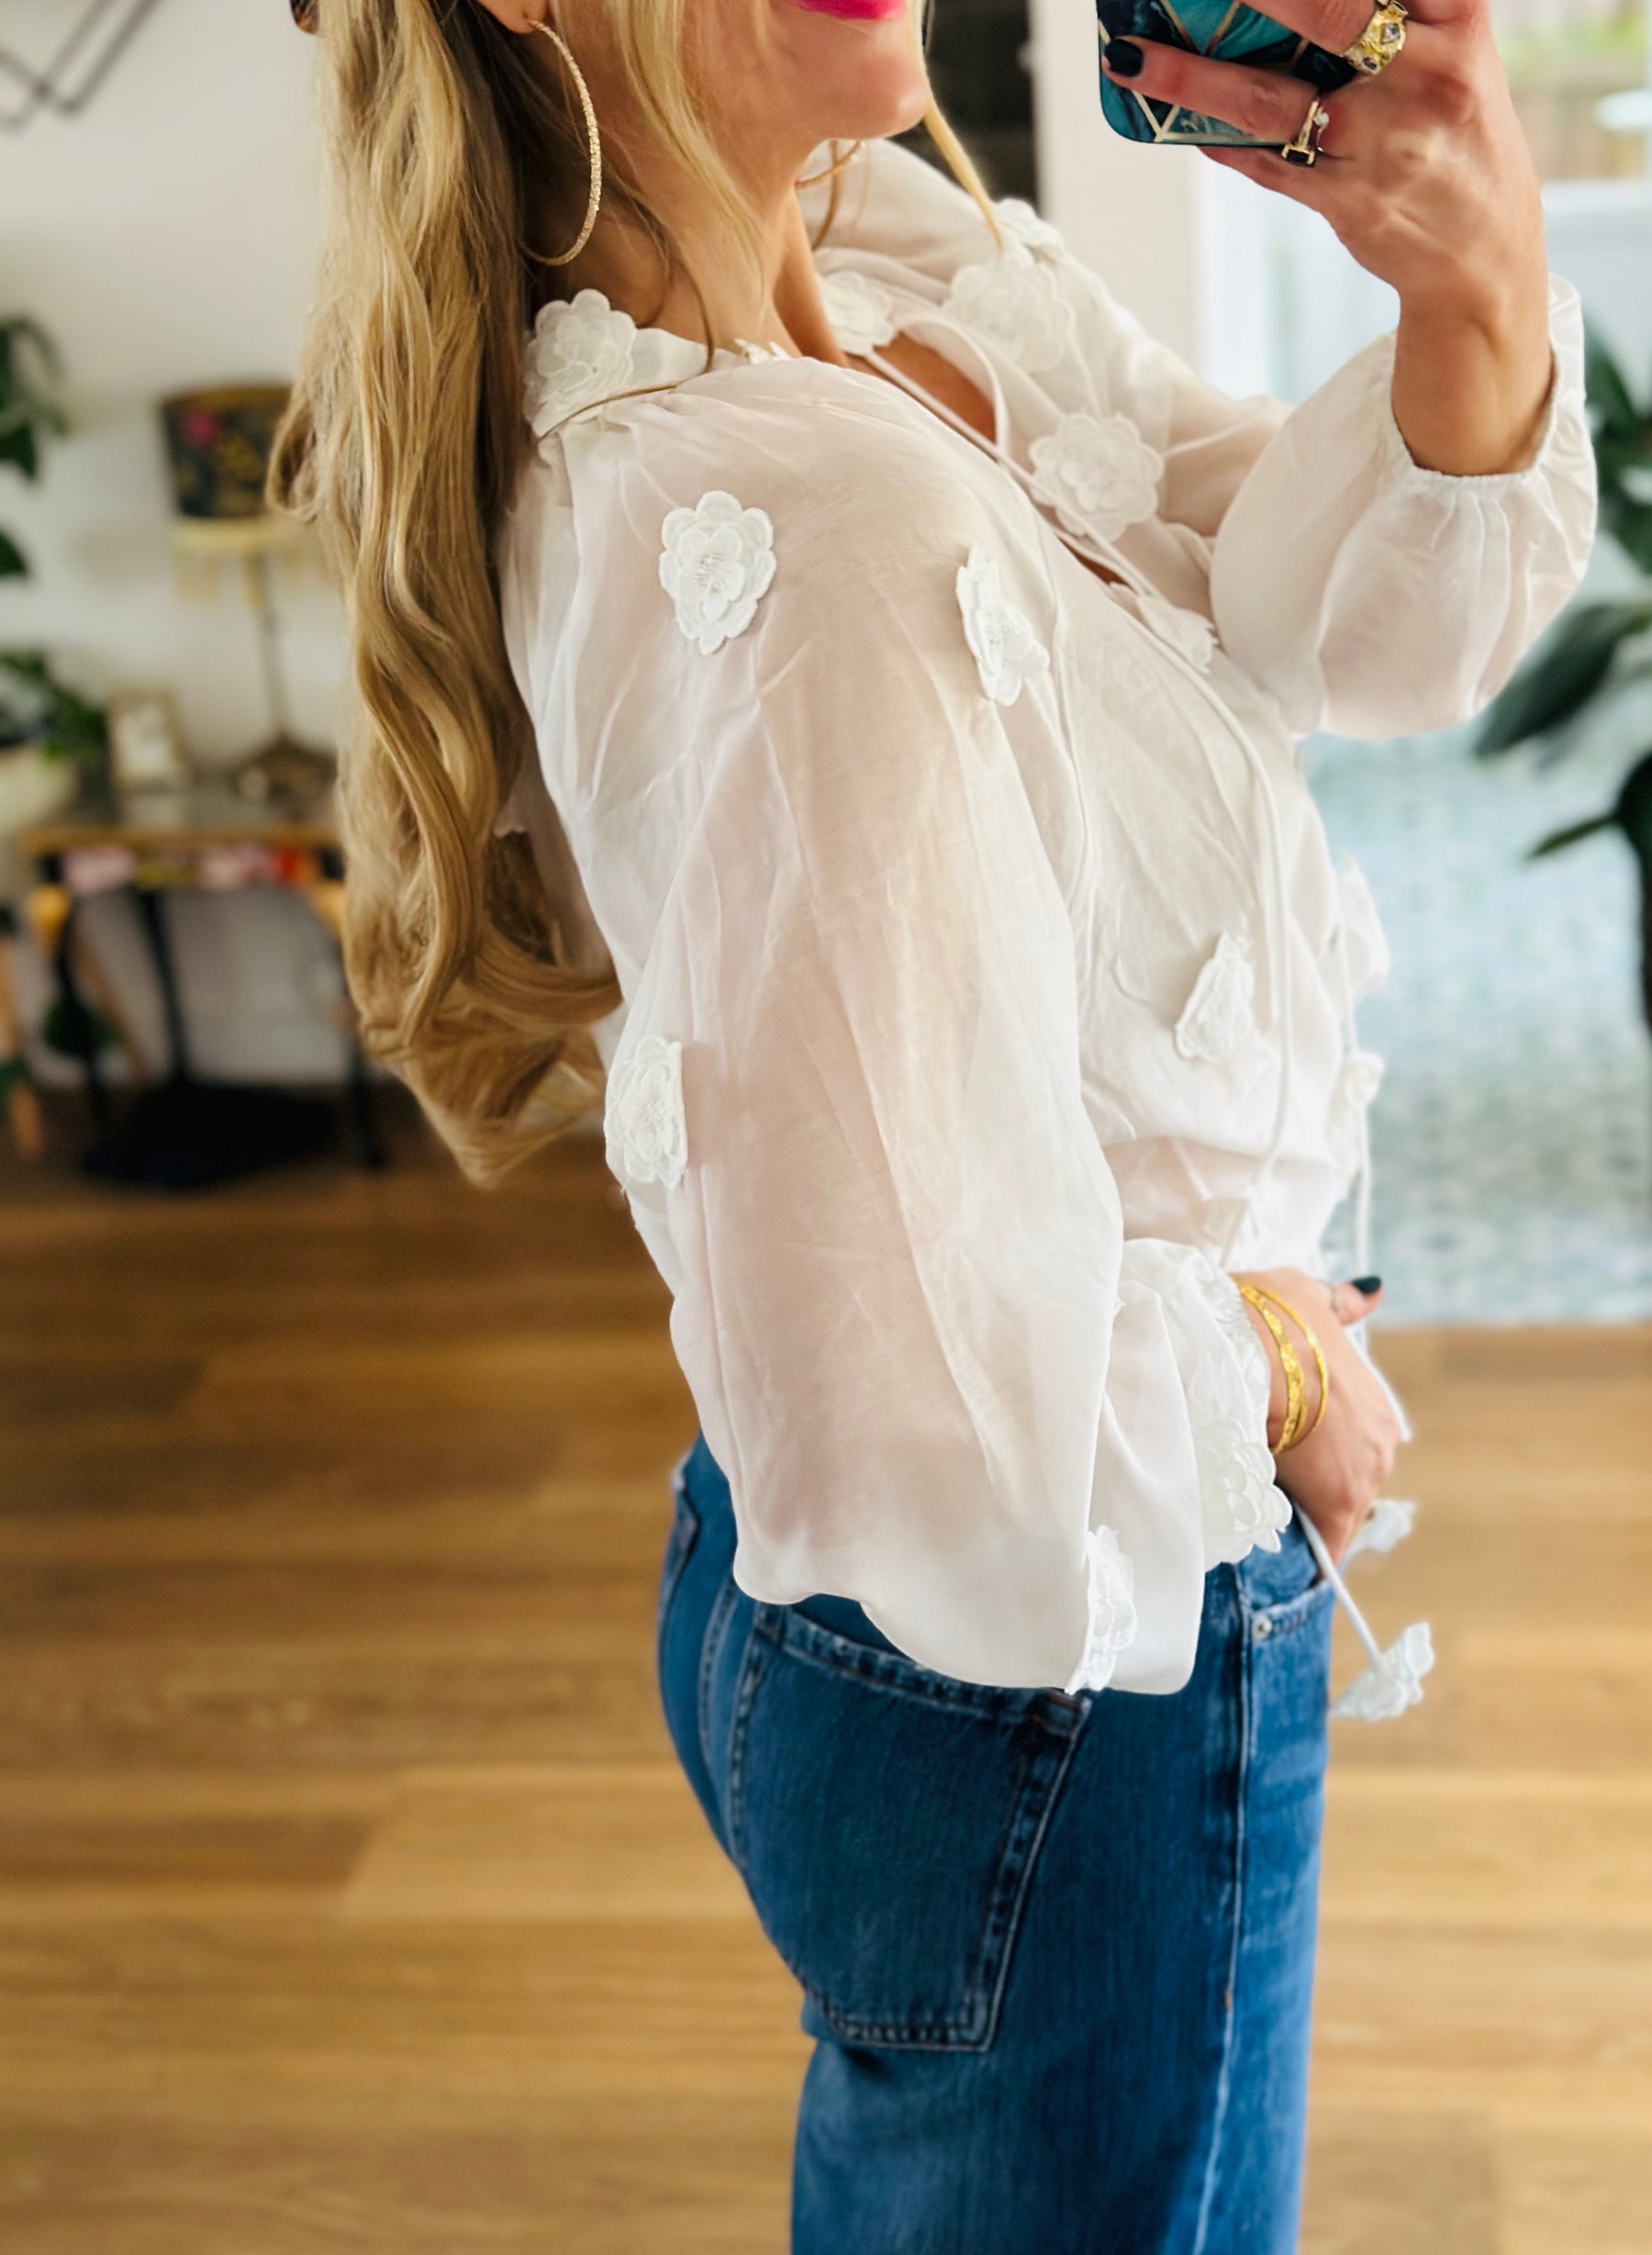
(51, 738)
(30, 415)
(1600, 648)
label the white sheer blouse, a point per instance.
(988, 985)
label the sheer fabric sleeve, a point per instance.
(848, 1106)
(1373, 596)
(1367, 594)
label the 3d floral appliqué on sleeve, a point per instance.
(645, 1127)
(717, 565)
(1007, 651)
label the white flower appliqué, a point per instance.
(645, 1130)
(1113, 1613)
(1006, 650)
(1388, 1525)
(581, 352)
(717, 565)
(862, 313)
(1393, 1683)
(1186, 630)
(1016, 304)
(1026, 228)
(1220, 1013)
(1357, 1082)
(1098, 474)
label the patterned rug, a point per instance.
(1513, 1137)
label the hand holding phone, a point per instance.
(1227, 33)
(1393, 120)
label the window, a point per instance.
(1578, 69)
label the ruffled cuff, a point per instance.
(1229, 1394)
(1112, 1614)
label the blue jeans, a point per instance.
(1057, 1953)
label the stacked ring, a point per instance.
(1380, 43)
(1307, 147)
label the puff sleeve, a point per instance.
(847, 1109)
(1367, 594)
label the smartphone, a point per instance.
(1218, 28)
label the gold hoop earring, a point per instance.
(593, 143)
(813, 180)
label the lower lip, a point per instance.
(856, 11)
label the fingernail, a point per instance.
(1123, 58)
(1369, 1286)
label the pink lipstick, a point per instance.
(856, 11)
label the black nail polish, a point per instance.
(1125, 58)
(1369, 1286)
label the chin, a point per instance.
(873, 112)
(861, 75)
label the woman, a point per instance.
(858, 713)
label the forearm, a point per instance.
(1471, 384)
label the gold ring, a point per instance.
(1306, 147)
(1380, 43)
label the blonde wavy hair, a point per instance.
(474, 973)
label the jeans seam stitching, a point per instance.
(1296, 1614)
(971, 2027)
(823, 1649)
(754, 1665)
(685, 1534)
(1231, 1996)
(716, 1628)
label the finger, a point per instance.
(1261, 102)
(1352, 1302)
(1303, 183)
(1333, 24)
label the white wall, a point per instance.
(1133, 213)
(165, 238)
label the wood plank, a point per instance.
(350, 1903)
(620, 1841)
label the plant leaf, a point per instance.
(1633, 812)
(1607, 386)
(19, 447)
(19, 328)
(1563, 675)
(1573, 834)
(14, 565)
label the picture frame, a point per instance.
(145, 741)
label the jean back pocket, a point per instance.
(888, 1820)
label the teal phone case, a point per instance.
(1222, 28)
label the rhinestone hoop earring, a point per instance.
(830, 171)
(594, 143)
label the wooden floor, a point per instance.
(349, 1900)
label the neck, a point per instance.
(774, 298)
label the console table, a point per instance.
(186, 1132)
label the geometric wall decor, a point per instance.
(63, 78)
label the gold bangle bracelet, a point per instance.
(1291, 1431)
(1321, 1370)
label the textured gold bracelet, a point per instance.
(1291, 1431)
(1321, 1370)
